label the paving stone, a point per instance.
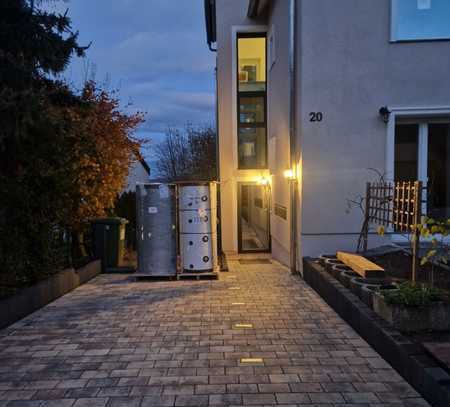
(194, 401)
(58, 403)
(210, 389)
(157, 401)
(124, 402)
(114, 391)
(361, 397)
(292, 398)
(173, 343)
(225, 399)
(255, 399)
(24, 403)
(274, 388)
(85, 392)
(91, 402)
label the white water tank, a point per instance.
(197, 205)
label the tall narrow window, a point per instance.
(251, 101)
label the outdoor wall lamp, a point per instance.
(385, 114)
(263, 181)
(289, 174)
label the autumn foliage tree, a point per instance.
(63, 154)
(105, 152)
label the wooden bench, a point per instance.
(365, 268)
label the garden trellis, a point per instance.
(397, 206)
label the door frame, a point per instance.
(239, 217)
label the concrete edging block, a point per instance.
(44, 292)
(409, 359)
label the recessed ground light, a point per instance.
(234, 288)
(231, 276)
(243, 325)
(252, 360)
(238, 303)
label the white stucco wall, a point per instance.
(137, 174)
(347, 68)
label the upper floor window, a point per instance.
(251, 101)
(419, 20)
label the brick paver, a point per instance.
(116, 342)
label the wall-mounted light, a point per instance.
(385, 114)
(263, 181)
(289, 174)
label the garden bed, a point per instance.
(30, 299)
(405, 353)
(398, 264)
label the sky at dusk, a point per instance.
(153, 51)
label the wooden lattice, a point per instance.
(398, 206)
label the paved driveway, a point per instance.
(116, 342)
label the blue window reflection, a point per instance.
(420, 20)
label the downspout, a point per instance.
(292, 133)
(222, 263)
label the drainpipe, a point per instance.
(219, 192)
(292, 133)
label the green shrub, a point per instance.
(412, 295)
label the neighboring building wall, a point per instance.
(229, 16)
(348, 69)
(137, 174)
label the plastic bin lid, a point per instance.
(110, 221)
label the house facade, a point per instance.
(314, 98)
(139, 173)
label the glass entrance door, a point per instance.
(254, 218)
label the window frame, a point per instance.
(393, 33)
(409, 115)
(239, 94)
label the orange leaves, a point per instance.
(105, 151)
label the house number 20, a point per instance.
(315, 116)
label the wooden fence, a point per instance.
(397, 206)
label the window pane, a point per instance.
(251, 110)
(252, 64)
(406, 152)
(421, 19)
(439, 170)
(252, 147)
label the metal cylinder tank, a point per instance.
(156, 229)
(197, 203)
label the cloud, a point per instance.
(153, 51)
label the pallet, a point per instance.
(365, 268)
(212, 275)
(145, 276)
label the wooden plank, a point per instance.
(365, 268)
(198, 276)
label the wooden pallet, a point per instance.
(145, 276)
(365, 268)
(212, 275)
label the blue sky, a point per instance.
(153, 51)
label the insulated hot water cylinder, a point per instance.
(197, 205)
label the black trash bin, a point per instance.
(108, 239)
